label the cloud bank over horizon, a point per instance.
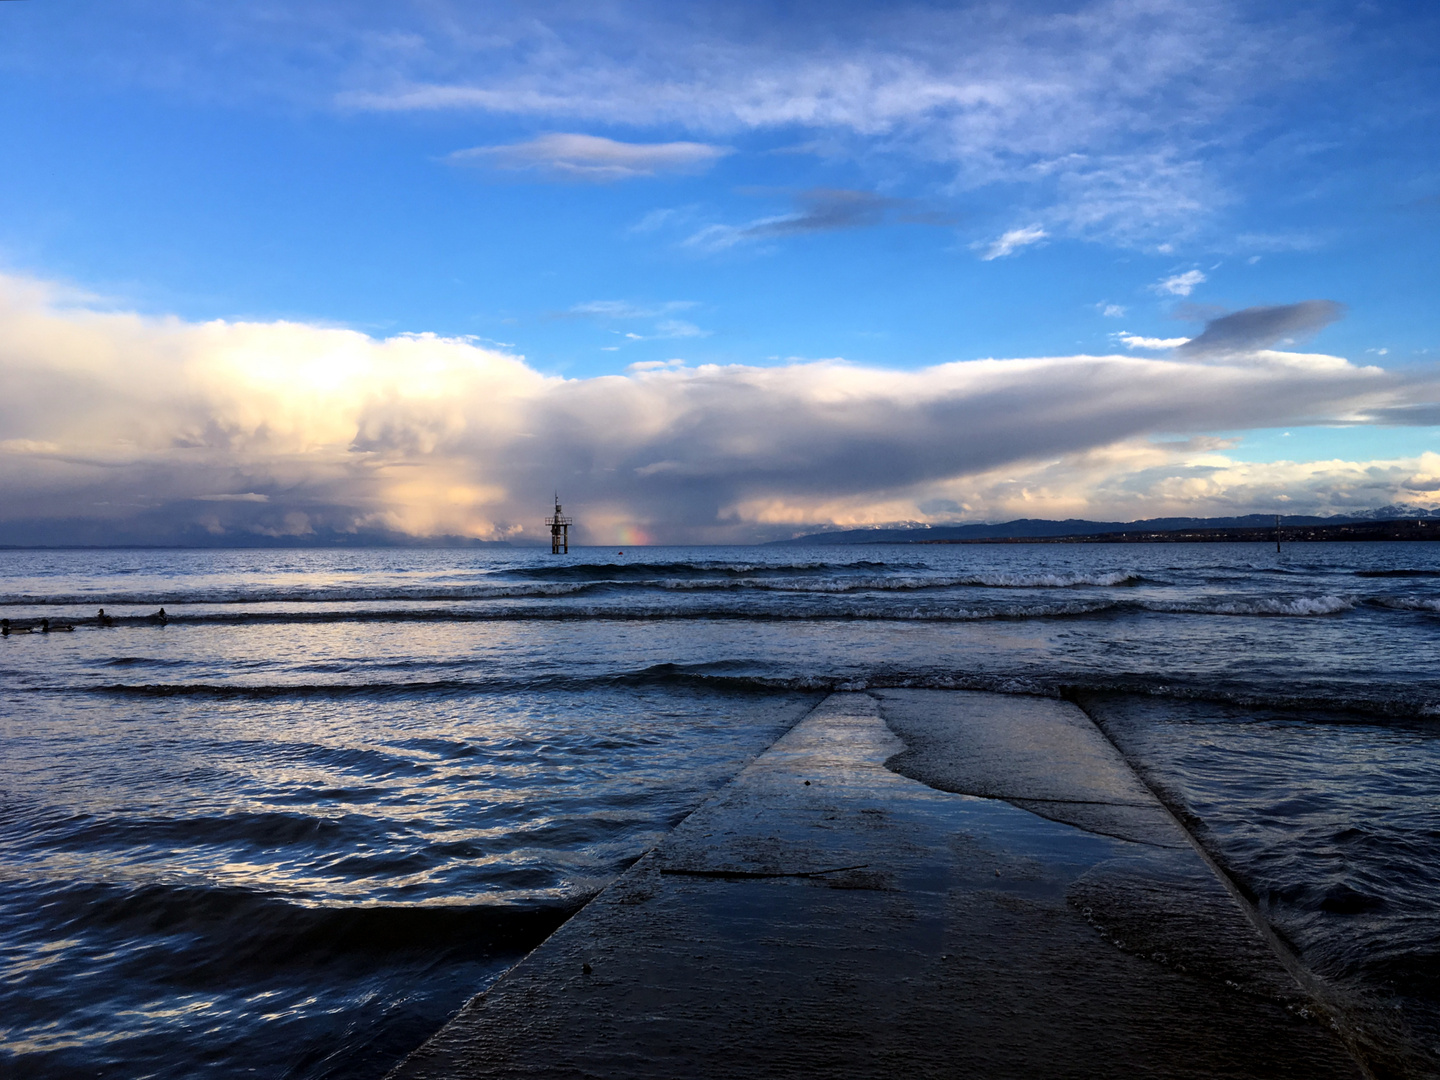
(118, 427)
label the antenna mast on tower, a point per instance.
(559, 530)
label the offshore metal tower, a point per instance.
(559, 530)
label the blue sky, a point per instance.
(754, 186)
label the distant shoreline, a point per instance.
(1363, 531)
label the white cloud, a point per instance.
(1012, 241)
(1135, 341)
(1112, 311)
(1180, 284)
(115, 425)
(1131, 120)
(1128, 144)
(592, 157)
(1139, 478)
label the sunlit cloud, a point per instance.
(116, 426)
(1139, 479)
(1135, 341)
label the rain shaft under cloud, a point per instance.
(121, 427)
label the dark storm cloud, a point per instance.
(155, 430)
(1260, 327)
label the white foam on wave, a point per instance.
(1298, 606)
(879, 612)
(1411, 603)
(1054, 581)
(900, 582)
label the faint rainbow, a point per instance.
(631, 536)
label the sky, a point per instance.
(715, 272)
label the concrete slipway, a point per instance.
(1005, 899)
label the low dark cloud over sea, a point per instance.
(291, 831)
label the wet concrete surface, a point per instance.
(825, 915)
(1041, 755)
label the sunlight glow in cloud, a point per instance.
(117, 426)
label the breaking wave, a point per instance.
(1409, 603)
(1298, 606)
(1337, 703)
(557, 583)
(905, 583)
(844, 607)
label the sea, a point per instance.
(289, 828)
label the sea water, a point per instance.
(291, 828)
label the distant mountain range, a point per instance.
(1039, 528)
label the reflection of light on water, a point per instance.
(501, 727)
(1330, 822)
(218, 824)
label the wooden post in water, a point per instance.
(1277, 532)
(559, 530)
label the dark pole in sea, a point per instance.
(1277, 534)
(559, 530)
